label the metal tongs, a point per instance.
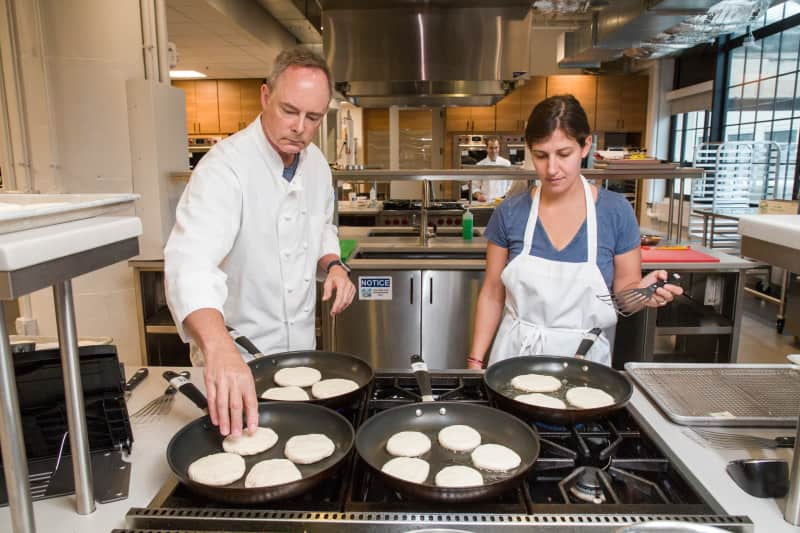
(631, 301)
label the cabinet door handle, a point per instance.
(411, 294)
(430, 289)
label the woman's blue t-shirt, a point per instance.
(617, 232)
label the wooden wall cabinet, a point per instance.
(220, 106)
(622, 103)
(470, 118)
(584, 88)
(513, 111)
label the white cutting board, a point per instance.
(20, 212)
(777, 229)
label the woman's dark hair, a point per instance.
(557, 112)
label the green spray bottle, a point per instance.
(466, 225)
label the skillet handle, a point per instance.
(244, 342)
(589, 339)
(187, 388)
(423, 378)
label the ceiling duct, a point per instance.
(431, 54)
(647, 28)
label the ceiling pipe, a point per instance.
(162, 44)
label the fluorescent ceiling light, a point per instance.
(178, 74)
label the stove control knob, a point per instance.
(442, 411)
(418, 412)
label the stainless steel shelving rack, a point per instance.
(674, 177)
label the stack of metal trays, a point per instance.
(722, 395)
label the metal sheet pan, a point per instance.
(19, 212)
(722, 395)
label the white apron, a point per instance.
(550, 304)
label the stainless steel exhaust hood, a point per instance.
(436, 53)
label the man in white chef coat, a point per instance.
(253, 233)
(489, 190)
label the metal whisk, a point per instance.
(632, 301)
(158, 406)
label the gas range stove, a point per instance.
(600, 476)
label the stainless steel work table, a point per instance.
(50, 257)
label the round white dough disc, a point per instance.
(286, 394)
(410, 469)
(495, 458)
(328, 388)
(308, 449)
(408, 444)
(217, 469)
(589, 398)
(262, 439)
(541, 400)
(536, 383)
(459, 438)
(458, 476)
(272, 472)
(297, 376)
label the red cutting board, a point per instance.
(656, 255)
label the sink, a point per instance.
(430, 253)
(414, 232)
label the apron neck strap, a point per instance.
(591, 222)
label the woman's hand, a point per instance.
(663, 295)
(474, 364)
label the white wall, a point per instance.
(544, 53)
(77, 57)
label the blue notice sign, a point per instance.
(374, 287)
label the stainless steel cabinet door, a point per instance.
(383, 332)
(449, 299)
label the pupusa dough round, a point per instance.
(272, 472)
(261, 440)
(410, 469)
(458, 476)
(297, 376)
(285, 394)
(541, 400)
(495, 458)
(589, 398)
(308, 449)
(536, 383)
(217, 469)
(459, 438)
(408, 444)
(328, 388)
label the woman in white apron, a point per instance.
(548, 304)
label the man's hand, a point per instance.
(230, 389)
(338, 281)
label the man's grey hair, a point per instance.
(298, 57)
(493, 139)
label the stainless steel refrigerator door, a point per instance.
(449, 299)
(384, 333)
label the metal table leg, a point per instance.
(14, 458)
(73, 394)
(671, 187)
(680, 209)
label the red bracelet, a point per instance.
(473, 360)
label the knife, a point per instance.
(135, 379)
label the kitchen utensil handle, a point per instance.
(423, 377)
(136, 378)
(187, 388)
(244, 342)
(784, 442)
(589, 339)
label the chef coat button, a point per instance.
(287, 217)
(306, 278)
(289, 289)
(305, 245)
(286, 253)
(304, 211)
(305, 309)
(291, 322)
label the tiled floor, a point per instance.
(759, 342)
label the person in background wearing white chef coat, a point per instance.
(553, 251)
(253, 233)
(490, 190)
